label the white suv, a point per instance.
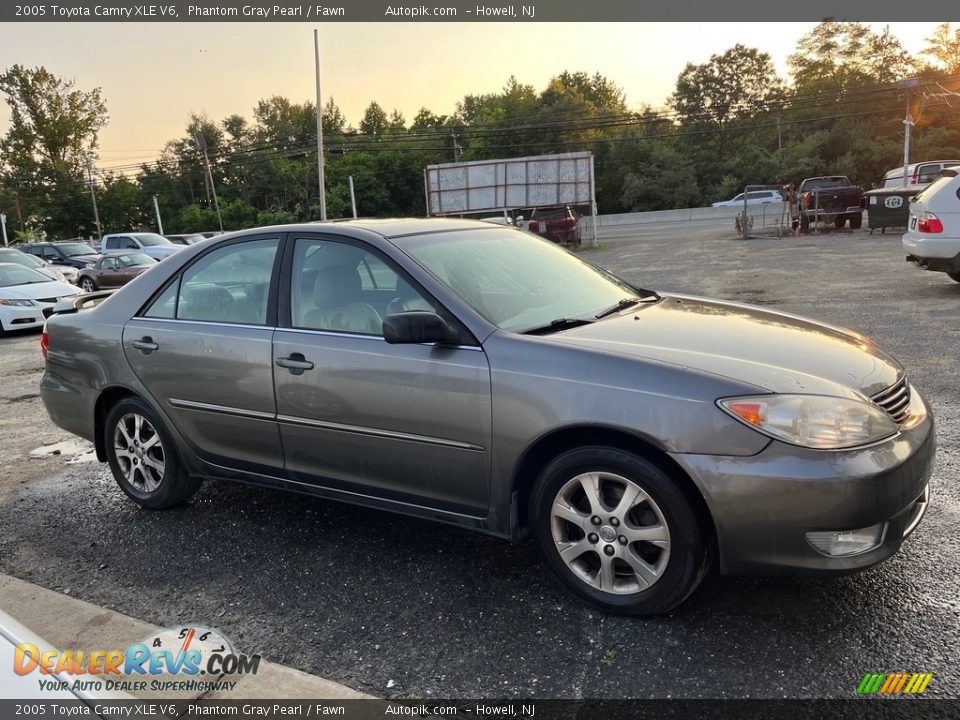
(156, 246)
(932, 240)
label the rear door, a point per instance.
(203, 349)
(408, 423)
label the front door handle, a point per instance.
(296, 363)
(146, 345)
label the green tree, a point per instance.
(118, 202)
(944, 47)
(374, 120)
(51, 141)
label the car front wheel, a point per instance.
(617, 531)
(87, 285)
(143, 458)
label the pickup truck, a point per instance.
(156, 246)
(831, 198)
(558, 224)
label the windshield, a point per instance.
(129, 259)
(150, 239)
(20, 258)
(823, 183)
(516, 281)
(74, 249)
(11, 275)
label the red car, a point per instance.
(558, 224)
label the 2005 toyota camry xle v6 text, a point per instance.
(481, 376)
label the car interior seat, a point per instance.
(339, 305)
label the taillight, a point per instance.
(808, 199)
(533, 226)
(44, 341)
(929, 223)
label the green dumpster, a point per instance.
(889, 207)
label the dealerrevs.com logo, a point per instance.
(191, 658)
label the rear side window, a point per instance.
(229, 285)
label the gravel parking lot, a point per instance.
(400, 607)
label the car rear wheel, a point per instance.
(856, 221)
(87, 285)
(143, 458)
(617, 531)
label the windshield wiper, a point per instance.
(622, 305)
(558, 325)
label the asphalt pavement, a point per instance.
(398, 607)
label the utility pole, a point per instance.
(93, 197)
(16, 200)
(908, 85)
(457, 149)
(323, 192)
(202, 147)
(3, 223)
(156, 209)
(353, 198)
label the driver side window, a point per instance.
(343, 288)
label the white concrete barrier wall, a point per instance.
(680, 215)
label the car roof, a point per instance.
(385, 227)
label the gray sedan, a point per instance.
(480, 376)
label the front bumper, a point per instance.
(763, 506)
(25, 318)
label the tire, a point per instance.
(3, 333)
(135, 452)
(87, 285)
(955, 276)
(839, 222)
(645, 575)
(804, 222)
(856, 221)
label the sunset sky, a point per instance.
(154, 76)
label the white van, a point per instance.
(919, 173)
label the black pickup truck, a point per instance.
(830, 199)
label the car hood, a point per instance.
(776, 351)
(163, 249)
(39, 291)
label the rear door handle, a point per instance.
(296, 363)
(146, 345)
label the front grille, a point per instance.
(895, 400)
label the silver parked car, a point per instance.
(478, 375)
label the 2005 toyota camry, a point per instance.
(478, 375)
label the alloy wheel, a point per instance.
(610, 533)
(139, 451)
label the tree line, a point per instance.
(730, 121)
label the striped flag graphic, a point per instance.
(894, 683)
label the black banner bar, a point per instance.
(583, 11)
(515, 709)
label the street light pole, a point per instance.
(323, 192)
(156, 209)
(908, 85)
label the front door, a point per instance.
(410, 423)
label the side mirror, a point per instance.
(417, 326)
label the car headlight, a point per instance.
(813, 421)
(16, 303)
